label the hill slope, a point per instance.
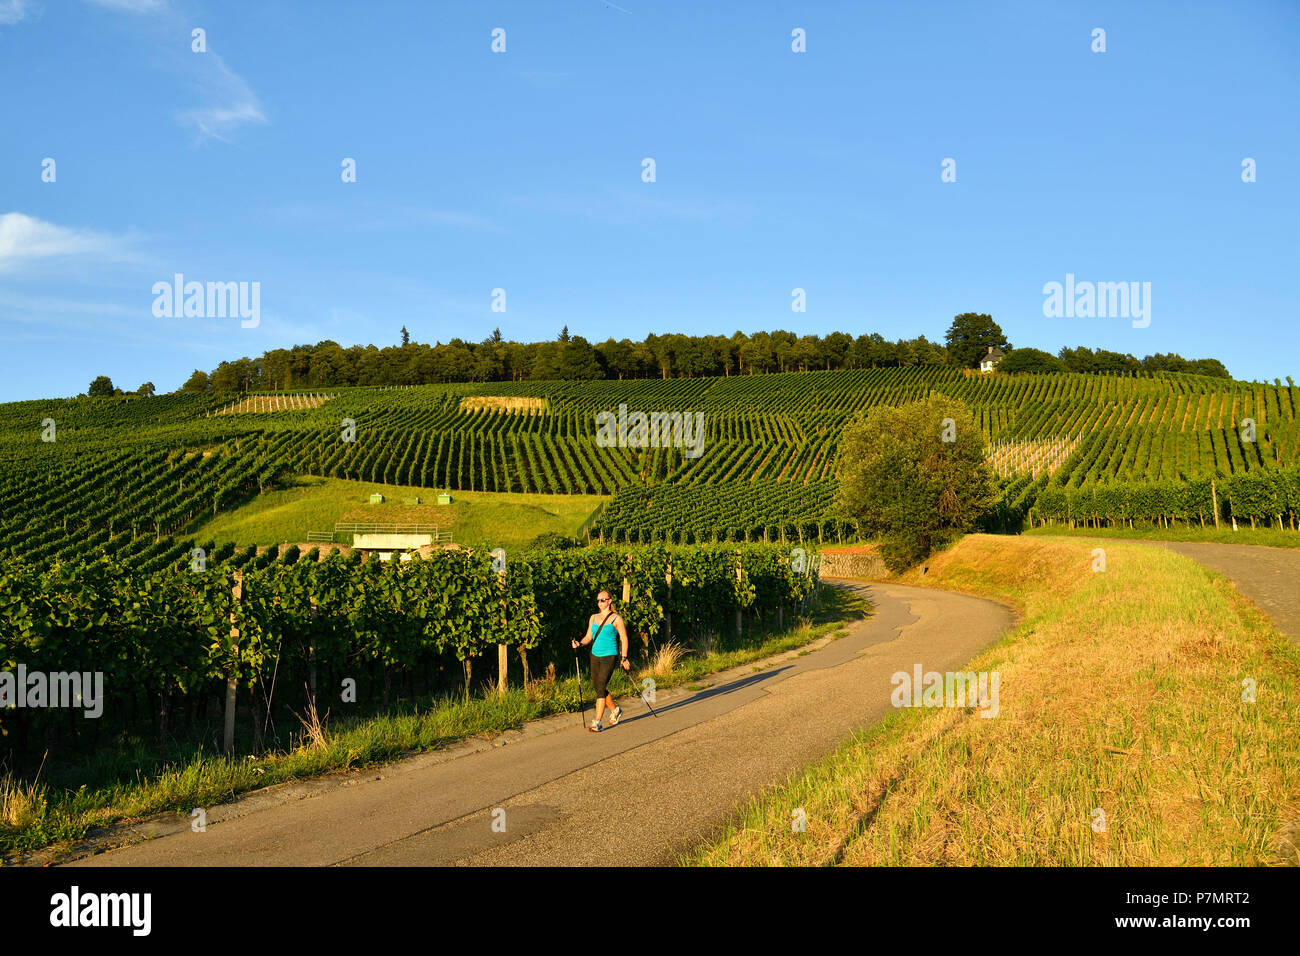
(126, 474)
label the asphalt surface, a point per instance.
(638, 793)
(1268, 576)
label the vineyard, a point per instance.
(135, 478)
(276, 629)
(1033, 457)
(274, 403)
(736, 511)
(110, 561)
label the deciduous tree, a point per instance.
(916, 476)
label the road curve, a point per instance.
(639, 793)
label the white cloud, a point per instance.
(230, 102)
(25, 239)
(234, 103)
(132, 6)
(11, 11)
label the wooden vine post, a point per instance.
(627, 599)
(232, 675)
(502, 683)
(668, 616)
(311, 656)
(739, 574)
(780, 615)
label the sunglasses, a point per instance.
(602, 600)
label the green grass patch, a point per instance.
(311, 503)
(1224, 535)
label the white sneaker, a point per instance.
(595, 727)
(614, 715)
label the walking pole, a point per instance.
(581, 704)
(641, 694)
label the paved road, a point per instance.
(1268, 576)
(639, 793)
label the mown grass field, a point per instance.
(474, 517)
(1121, 691)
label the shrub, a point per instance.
(916, 476)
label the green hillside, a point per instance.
(138, 477)
(310, 503)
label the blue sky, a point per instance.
(523, 170)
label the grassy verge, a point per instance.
(33, 816)
(312, 503)
(1121, 692)
(1265, 536)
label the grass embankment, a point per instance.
(474, 517)
(1121, 691)
(129, 783)
(1225, 535)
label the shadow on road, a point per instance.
(728, 688)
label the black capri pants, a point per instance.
(602, 669)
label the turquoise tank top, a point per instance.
(606, 640)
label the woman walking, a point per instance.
(608, 639)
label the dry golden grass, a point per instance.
(666, 657)
(22, 803)
(502, 404)
(1120, 691)
(315, 735)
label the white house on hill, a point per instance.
(990, 360)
